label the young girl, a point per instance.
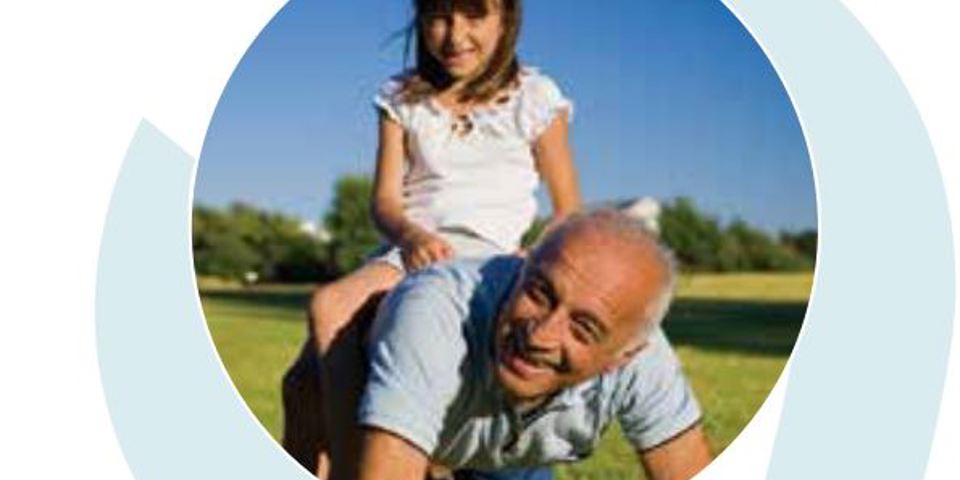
(464, 138)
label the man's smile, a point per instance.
(518, 357)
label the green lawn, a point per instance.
(733, 333)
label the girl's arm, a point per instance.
(555, 165)
(387, 202)
(419, 246)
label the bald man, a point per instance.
(515, 363)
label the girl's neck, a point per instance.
(454, 90)
(450, 98)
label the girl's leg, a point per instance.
(340, 314)
(332, 308)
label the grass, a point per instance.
(733, 333)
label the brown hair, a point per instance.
(429, 76)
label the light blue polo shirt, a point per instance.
(431, 380)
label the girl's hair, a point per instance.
(430, 77)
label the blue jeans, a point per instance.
(516, 474)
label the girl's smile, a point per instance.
(463, 42)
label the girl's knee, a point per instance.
(326, 312)
(334, 306)
(319, 301)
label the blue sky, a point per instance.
(672, 97)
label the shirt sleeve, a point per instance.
(542, 102)
(656, 402)
(387, 100)
(415, 352)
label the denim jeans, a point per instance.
(516, 474)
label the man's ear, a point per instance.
(626, 355)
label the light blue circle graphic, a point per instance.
(175, 411)
(867, 373)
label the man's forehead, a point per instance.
(605, 270)
(608, 266)
(588, 247)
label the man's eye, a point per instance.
(582, 336)
(583, 332)
(537, 294)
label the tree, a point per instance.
(218, 249)
(803, 242)
(694, 237)
(760, 252)
(242, 239)
(701, 244)
(350, 223)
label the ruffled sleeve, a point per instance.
(541, 102)
(387, 99)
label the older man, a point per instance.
(514, 363)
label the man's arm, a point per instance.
(679, 458)
(386, 456)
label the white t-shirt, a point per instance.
(477, 174)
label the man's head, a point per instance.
(585, 302)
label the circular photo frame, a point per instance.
(860, 128)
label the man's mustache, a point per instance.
(518, 339)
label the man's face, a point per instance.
(574, 313)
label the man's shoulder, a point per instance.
(426, 344)
(466, 278)
(652, 398)
(656, 352)
(655, 360)
(450, 296)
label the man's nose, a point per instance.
(547, 332)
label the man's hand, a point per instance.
(679, 458)
(386, 456)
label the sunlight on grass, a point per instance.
(777, 287)
(256, 345)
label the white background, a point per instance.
(77, 79)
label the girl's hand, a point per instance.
(421, 248)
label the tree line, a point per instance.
(701, 243)
(243, 242)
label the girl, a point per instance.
(464, 138)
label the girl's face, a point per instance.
(463, 42)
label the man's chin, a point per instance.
(516, 388)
